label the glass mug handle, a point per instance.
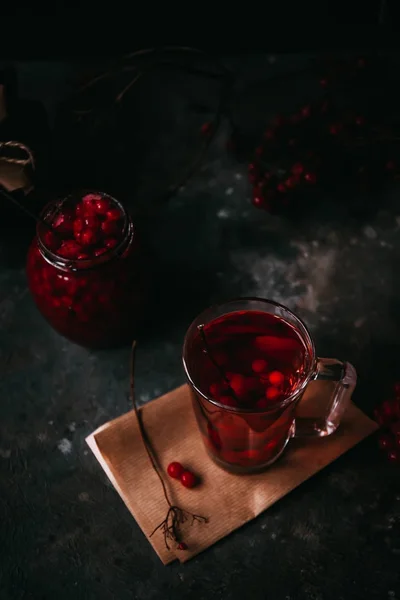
(326, 398)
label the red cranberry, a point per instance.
(297, 169)
(386, 441)
(182, 546)
(276, 378)
(219, 389)
(228, 401)
(69, 249)
(63, 223)
(113, 214)
(272, 393)
(175, 470)
(310, 178)
(188, 479)
(281, 188)
(111, 243)
(389, 409)
(102, 205)
(394, 455)
(50, 240)
(259, 365)
(91, 221)
(109, 227)
(83, 256)
(258, 201)
(100, 251)
(89, 204)
(238, 384)
(78, 226)
(291, 182)
(88, 237)
(80, 209)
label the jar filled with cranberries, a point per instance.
(86, 271)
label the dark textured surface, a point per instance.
(64, 532)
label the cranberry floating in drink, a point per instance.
(86, 273)
(248, 363)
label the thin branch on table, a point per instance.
(176, 516)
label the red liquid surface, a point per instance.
(96, 298)
(247, 361)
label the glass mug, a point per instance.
(248, 363)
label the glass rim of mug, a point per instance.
(302, 330)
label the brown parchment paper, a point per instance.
(227, 500)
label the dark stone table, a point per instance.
(65, 533)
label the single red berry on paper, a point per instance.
(188, 479)
(175, 470)
(182, 546)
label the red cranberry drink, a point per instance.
(86, 273)
(248, 363)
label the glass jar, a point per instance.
(87, 273)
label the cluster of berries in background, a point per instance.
(346, 136)
(387, 416)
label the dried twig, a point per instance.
(176, 516)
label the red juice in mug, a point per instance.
(248, 362)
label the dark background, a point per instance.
(64, 532)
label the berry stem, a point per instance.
(141, 426)
(176, 516)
